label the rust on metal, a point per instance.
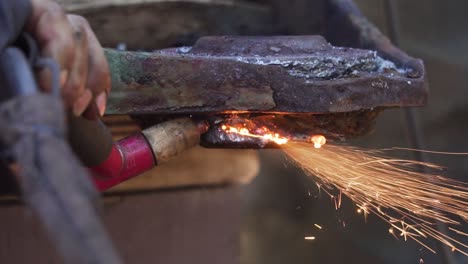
(347, 26)
(298, 85)
(258, 74)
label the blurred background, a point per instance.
(248, 207)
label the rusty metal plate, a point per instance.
(293, 74)
(215, 85)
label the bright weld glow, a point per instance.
(269, 136)
(309, 238)
(318, 141)
(394, 190)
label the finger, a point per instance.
(82, 102)
(55, 37)
(99, 80)
(98, 70)
(75, 93)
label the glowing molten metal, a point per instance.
(275, 137)
(265, 134)
(318, 141)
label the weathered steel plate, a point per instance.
(152, 24)
(258, 74)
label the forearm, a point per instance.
(13, 17)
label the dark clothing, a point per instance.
(13, 17)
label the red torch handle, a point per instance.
(140, 152)
(129, 157)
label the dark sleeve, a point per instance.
(13, 17)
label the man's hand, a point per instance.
(84, 77)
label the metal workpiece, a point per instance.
(169, 139)
(295, 127)
(215, 77)
(298, 86)
(334, 85)
(291, 74)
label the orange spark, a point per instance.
(458, 231)
(319, 227)
(337, 201)
(375, 182)
(309, 238)
(413, 201)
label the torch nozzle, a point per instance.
(170, 138)
(142, 151)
